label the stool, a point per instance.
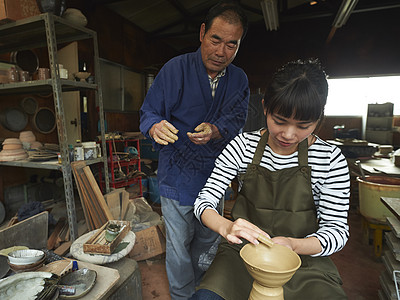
(378, 228)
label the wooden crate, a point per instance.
(97, 243)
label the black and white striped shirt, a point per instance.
(329, 178)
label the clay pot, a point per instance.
(56, 7)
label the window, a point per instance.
(123, 89)
(351, 96)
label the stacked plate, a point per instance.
(12, 150)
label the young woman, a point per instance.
(294, 187)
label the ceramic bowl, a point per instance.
(82, 75)
(28, 267)
(83, 280)
(75, 16)
(25, 257)
(271, 266)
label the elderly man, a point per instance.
(195, 106)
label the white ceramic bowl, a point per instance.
(25, 257)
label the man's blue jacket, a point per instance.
(181, 94)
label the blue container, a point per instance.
(153, 189)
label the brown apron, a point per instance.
(281, 203)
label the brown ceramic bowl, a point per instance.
(27, 267)
(270, 266)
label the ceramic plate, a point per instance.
(82, 280)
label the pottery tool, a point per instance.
(266, 241)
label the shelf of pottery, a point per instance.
(390, 277)
(48, 32)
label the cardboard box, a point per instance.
(149, 243)
(12, 10)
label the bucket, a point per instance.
(371, 189)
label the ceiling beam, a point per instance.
(179, 7)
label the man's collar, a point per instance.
(219, 75)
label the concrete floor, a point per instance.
(357, 264)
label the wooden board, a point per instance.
(32, 232)
(113, 200)
(394, 223)
(389, 170)
(393, 204)
(97, 192)
(125, 202)
(106, 279)
(95, 208)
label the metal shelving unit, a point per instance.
(123, 165)
(48, 30)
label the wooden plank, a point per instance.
(95, 210)
(97, 192)
(106, 279)
(74, 166)
(31, 232)
(86, 203)
(63, 248)
(51, 242)
(95, 216)
(125, 203)
(394, 223)
(393, 204)
(113, 200)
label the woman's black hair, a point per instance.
(299, 89)
(230, 11)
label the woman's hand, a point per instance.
(242, 229)
(304, 246)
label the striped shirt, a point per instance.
(330, 182)
(214, 82)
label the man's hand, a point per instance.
(164, 133)
(204, 133)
